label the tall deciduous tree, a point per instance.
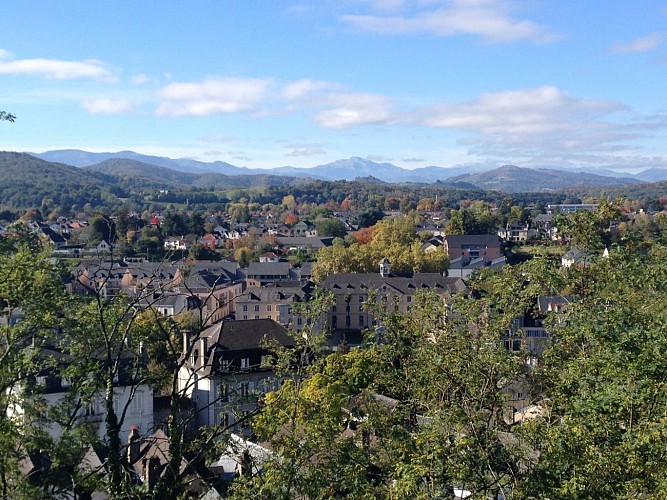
(605, 387)
(414, 414)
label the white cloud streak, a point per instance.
(107, 106)
(642, 44)
(526, 111)
(353, 109)
(489, 19)
(213, 96)
(55, 69)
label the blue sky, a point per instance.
(535, 83)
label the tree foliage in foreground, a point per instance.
(405, 417)
(420, 410)
(425, 409)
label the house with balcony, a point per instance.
(224, 371)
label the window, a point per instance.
(137, 403)
(268, 307)
(224, 365)
(334, 309)
(245, 308)
(257, 308)
(223, 391)
(409, 298)
(299, 321)
(245, 316)
(256, 316)
(92, 408)
(263, 386)
(245, 363)
(244, 389)
(224, 419)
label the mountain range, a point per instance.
(352, 168)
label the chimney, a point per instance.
(133, 444)
(202, 351)
(186, 342)
(151, 472)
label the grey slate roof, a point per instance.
(315, 243)
(245, 334)
(456, 240)
(361, 283)
(268, 269)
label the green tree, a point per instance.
(604, 383)
(331, 227)
(406, 417)
(102, 228)
(32, 303)
(394, 239)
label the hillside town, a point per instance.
(189, 351)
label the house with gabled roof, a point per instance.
(274, 301)
(216, 287)
(263, 273)
(576, 257)
(472, 245)
(515, 231)
(225, 372)
(528, 331)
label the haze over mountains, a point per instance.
(507, 178)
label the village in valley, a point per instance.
(199, 336)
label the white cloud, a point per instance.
(352, 109)
(526, 111)
(305, 151)
(646, 43)
(141, 79)
(213, 96)
(217, 138)
(107, 106)
(488, 19)
(305, 89)
(55, 69)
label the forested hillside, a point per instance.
(26, 181)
